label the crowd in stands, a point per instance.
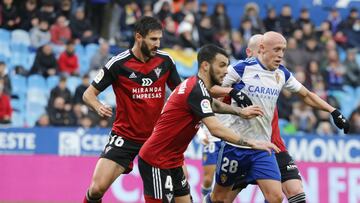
(69, 40)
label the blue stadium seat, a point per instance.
(185, 71)
(19, 48)
(37, 96)
(37, 81)
(20, 37)
(33, 113)
(17, 119)
(84, 66)
(18, 103)
(18, 84)
(5, 36)
(90, 50)
(72, 83)
(52, 82)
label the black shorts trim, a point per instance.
(163, 184)
(287, 166)
(121, 150)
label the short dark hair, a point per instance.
(146, 24)
(208, 52)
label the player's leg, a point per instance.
(291, 179)
(208, 177)
(181, 185)
(105, 173)
(266, 172)
(115, 160)
(210, 155)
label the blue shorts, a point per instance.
(210, 153)
(234, 162)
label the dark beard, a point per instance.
(213, 79)
(145, 50)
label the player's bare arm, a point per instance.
(218, 130)
(90, 98)
(217, 91)
(315, 101)
(247, 113)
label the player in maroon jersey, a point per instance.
(138, 77)
(161, 157)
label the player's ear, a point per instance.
(138, 36)
(205, 65)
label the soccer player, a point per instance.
(161, 157)
(261, 79)
(138, 77)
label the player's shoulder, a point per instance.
(118, 58)
(165, 55)
(285, 71)
(242, 64)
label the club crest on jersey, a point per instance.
(223, 178)
(157, 72)
(277, 77)
(169, 197)
(206, 106)
(146, 82)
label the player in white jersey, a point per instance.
(261, 79)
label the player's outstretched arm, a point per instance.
(315, 101)
(220, 131)
(247, 113)
(90, 98)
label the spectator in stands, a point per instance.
(5, 78)
(324, 33)
(353, 35)
(293, 56)
(48, 12)
(68, 60)
(334, 72)
(220, 19)
(60, 31)
(313, 75)
(86, 122)
(170, 38)
(81, 89)
(162, 9)
(45, 62)
(304, 18)
(285, 103)
(100, 57)
(59, 115)
(271, 22)
(81, 28)
(188, 7)
(147, 9)
(298, 35)
(128, 18)
(352, 69)
(97, 11)
(334, 19)
(324, 128)
(29, 15)
(303, 117)
(65, 8)
(355, 121)
(40, 35)
(349, 22)
(206, 31)
(185, 31)
(246, 30)
(5, 105)
(43, 121)
(237, 46)
(286, 21)
(60, 91)
(308, 31)
(251, 12)
(202, 13)
(9, 15)
(312, 51)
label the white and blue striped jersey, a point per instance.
(263, 88)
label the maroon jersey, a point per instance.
(187, 105)
(139, 89)
(275, 136)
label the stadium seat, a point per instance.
(18, 84)
(37, 81)
(20, 37)
(37, 96)
(33, 113)
(72, 83)
(79, 50)
(90, 50)
(18, 102)
(84, 66)
(185, 71)
(19, 48)
(52, 82)
(5, 38)
(17, 119)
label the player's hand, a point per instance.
(340, 121)
(263, 145)
(250, 111)
(241, 98)
(104, 111)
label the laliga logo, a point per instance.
(146, 82)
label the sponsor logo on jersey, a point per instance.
(132, 75)
(147, 92)
(107, 149)
(157, 72)
(183, 182)
(146, 82)
(256, 77)
(99, 76)
(291, 167)
(205, 106)
(169, 197)
(223, 178)
(263, 90)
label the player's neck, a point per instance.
(138, 54)
(206, 80)
(261, 60)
